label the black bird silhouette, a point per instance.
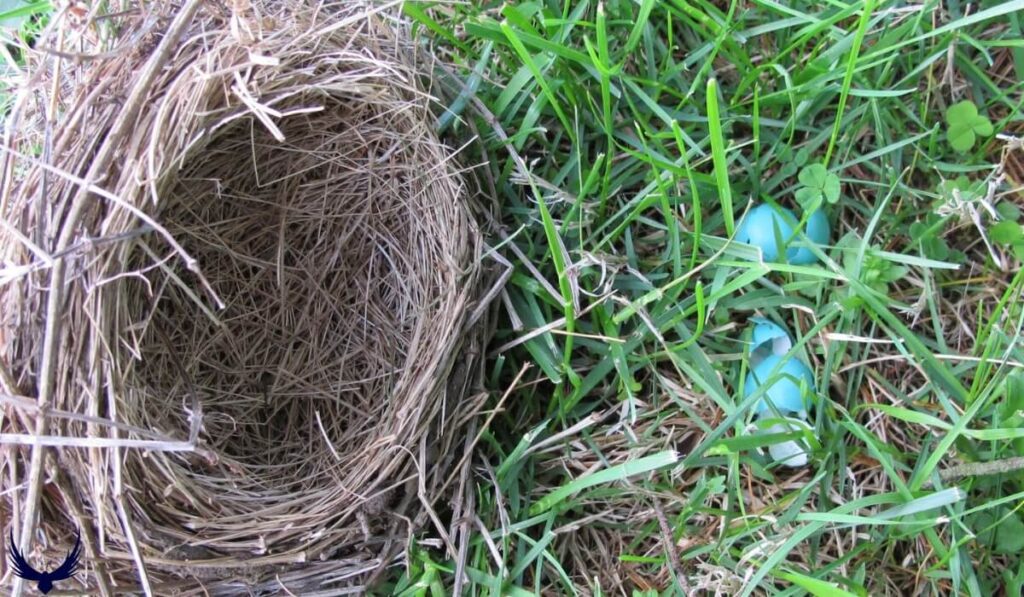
(45, 580)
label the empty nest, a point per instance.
(240, 298)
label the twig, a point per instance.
(670, 547)
(994, 467)
(62, 441)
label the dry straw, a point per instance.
(239, 290)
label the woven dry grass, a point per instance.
(239, 301)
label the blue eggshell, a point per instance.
(784, 392)
(766, 331)
(789, 453)
(817, 230)
(758, 229)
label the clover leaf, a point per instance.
(1008, 211)
(1009, 234)
(967, 189)
(1006, 233)
(1000, 529)
(818, 185)
(965, 125)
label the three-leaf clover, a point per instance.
(965, 125)
(818, 185)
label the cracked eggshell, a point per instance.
(784, 391)
(790, 453)
(767, 331)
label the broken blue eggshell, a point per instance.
(784, 392)
(766, 226)
(769, 345)
(788, 453)
(765, 331)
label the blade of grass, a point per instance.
(851, 63)
(718, 156)
(618, 472)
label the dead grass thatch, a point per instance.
(239, 294)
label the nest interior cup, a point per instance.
(271, 302)
(337, 256)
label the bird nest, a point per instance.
(240, 316)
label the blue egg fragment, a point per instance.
(789, 453)
(766, 331)
(817, 231)
(784, 391)
(759, 226)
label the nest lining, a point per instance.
(337, 266)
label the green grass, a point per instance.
(625, 140)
